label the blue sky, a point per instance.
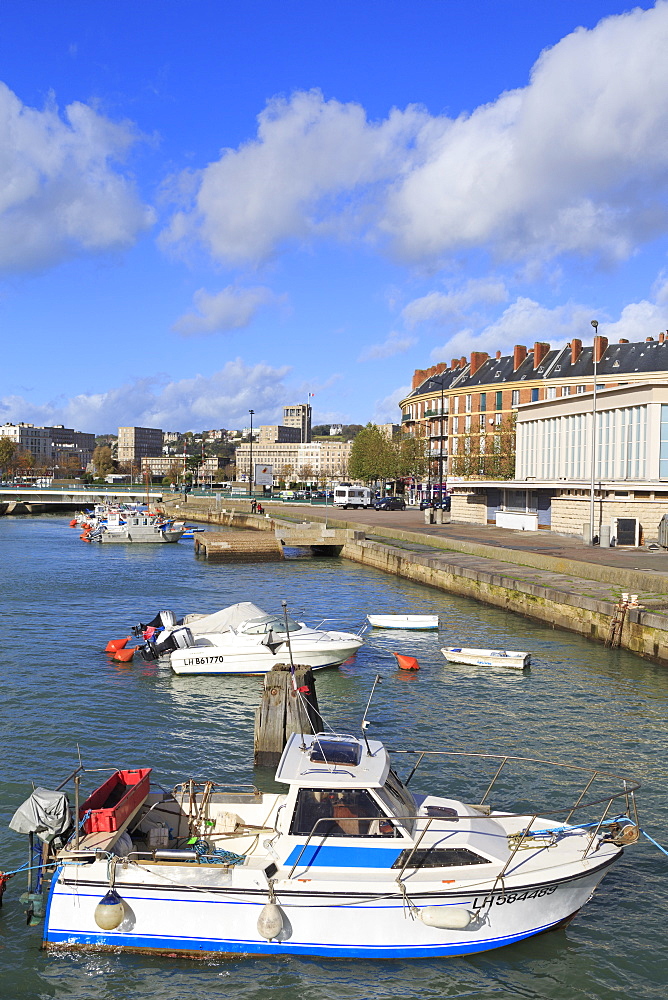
(212, 206)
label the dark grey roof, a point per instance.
(617, 360)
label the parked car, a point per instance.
(436, 503)
(390, 503)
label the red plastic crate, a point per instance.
(115, 800)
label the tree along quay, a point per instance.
(575, 595)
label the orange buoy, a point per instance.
(84, 537)
(73, 522)
(406, 662)
(123, 655)
(114, 645)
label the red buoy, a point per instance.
(73, 522)
(115, 644)
(406, 662)
(123, 655)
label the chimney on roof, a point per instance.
(623, 340)
(478, 359)
(540, 350)
(462, 362)
(441, 367)
(519, 354)
(649, 340)
(419, 376)
(576, 350)
(600, 345)
(498, 355)
(455, 364)
(662, 337)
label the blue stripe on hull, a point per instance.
(323, 856)
(148, 942)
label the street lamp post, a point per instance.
(440, 450)
(250, 472)
(594, 323)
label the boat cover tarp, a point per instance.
(224, 619)
(45, 813)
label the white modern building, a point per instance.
(556, 455)
(27, 437)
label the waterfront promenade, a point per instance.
(553, 578)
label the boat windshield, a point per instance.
(348, 812)
(400, 799)
(268, 623)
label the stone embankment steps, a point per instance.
(569, 593)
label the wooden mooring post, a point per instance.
(284, 710)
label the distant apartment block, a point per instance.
(135, 443)
(27, 437)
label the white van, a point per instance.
(352, 496)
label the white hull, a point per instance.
(324, 919)
(139, 536)
(404, 621)
(255, 658)
(488, 657)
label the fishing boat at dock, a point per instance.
(347, 861)
(242, 639)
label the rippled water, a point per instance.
(62, 601)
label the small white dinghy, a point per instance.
(487, 657)
(403, 621)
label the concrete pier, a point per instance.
(238, 546)
(573, 587)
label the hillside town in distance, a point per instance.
(538, 439)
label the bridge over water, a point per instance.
(50, 499)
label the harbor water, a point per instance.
(579, 704)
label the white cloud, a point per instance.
(293, 179)
(61, 193)
(394, 344)
(576, 162)
(201, 402)
(386, 410)
(523, 322)
(637, 321)
(230, 309)
(440, 307)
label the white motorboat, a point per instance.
(403, 621)
(488, 657)
(244, 639)
(348, 862)
(136, 528)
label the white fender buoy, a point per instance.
(110, 911)
(448, 918)
(270, 921)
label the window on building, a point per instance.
(565, 390)
(552, 392)
(498, 419)
(468, 399)
(581, 388)
(482, 420)
(499, 399)
(454, 424)
(467, 423)
(516, 397)
(534, 395)
(455, 408)
(483, 402)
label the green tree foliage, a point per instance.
(7, 453)
(102, 460)
(373, 456)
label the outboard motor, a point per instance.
(163, 619)
(180, 638)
